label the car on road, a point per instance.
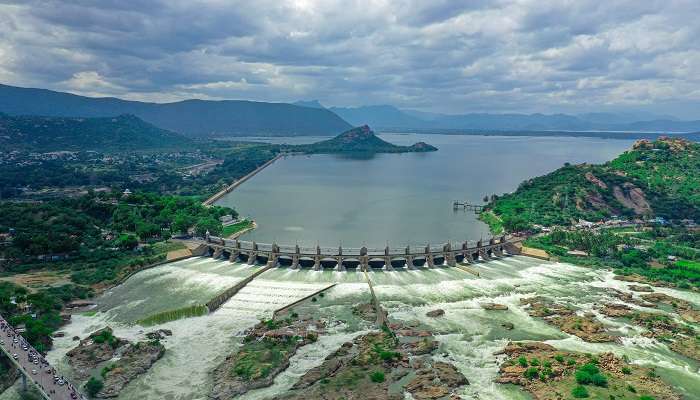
(33, 372)
(15, 356)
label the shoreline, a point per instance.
(218, 195)
(242, 232)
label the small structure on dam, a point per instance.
(341, 259)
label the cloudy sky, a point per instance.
(433, 55)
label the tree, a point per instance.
(93, 386)
(127, 242)
(181, 222)
(208, 224)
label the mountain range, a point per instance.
(387, 117)
(203, 118)
(189, 117)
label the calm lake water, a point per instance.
(400, 199)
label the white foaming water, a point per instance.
(468, 335)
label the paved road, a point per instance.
(41, 373)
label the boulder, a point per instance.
(435, 313)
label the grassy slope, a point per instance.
(666, 171)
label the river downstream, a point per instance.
(468, 335)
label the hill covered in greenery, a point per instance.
(361, 140)
(189, 117)
(121, 133)
(653, 179)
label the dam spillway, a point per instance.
(341, 259)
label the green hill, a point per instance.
(121, 133)
(361, 140)
(189, 117)
(653, 179)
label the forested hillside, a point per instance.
(660, 178)
(120, 133)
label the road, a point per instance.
(13, 344)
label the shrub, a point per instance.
(626, 370)
(599, 380)
(571, 361)
(590, 368)
(377, 376)
(522, 361)
(583, 377)
(631, 389)
(579, 392)
(535, 362)
(646, 398)
(93, 386)
(532, 373)
(559, 358)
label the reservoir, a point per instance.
(399, 199)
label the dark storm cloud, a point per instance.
(440, 55)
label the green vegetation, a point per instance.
(532, 373)
(579, 392)
(229, 230)
(644, 253)
(106, 336)
(95, 236)
(93, 386)
(660, 179)
(173, 315)
(258, 358)
(494, 222)
(377, 376)
(46, 304)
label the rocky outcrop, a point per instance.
(616, 310)
(97, 348)
(546, 373)
(586, 326)
(641, 288)
(160, 334)
(134, 361)
(373, 366)
(679, 337)
(265, 353)
(632, 197)
(365, 311)
(493, 306)
(435, 313)
(435, 380)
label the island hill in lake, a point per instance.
(359, 140)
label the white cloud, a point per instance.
(439, 55)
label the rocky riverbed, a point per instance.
(550, 374)
(265, 352)
(381, 365)
(121, 360)
(135, 360)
